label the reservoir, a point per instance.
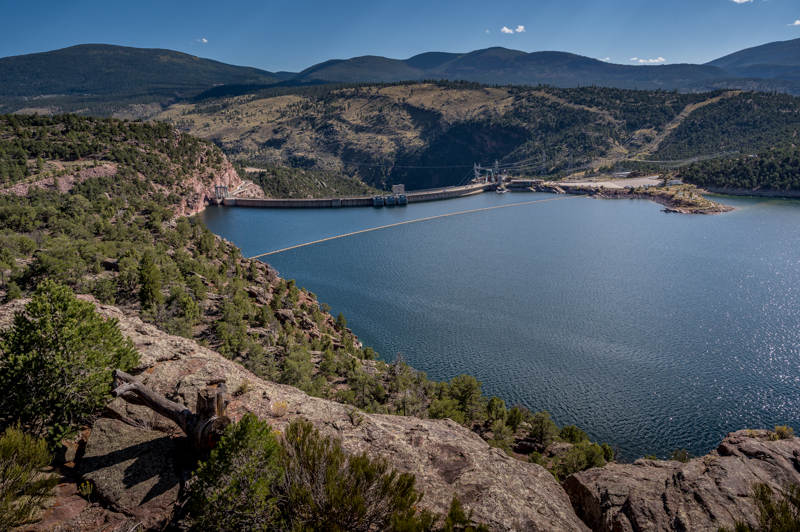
(651, 331)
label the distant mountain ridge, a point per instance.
(503, 66)
(129, 82)
(104, 69)
(773, 60)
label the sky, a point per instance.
(293, 35)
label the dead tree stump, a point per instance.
(205, 427)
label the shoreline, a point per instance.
(760, 193)
(672, 204)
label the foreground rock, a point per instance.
(700, 495)
(132, 470)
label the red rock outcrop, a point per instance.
(65, 183)
(700, 495)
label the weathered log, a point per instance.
(205, 427)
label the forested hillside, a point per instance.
(288, 182)
(116, 236)
(430, 134)
(100, 79)
(37, 147)
(777, 169)
(747, 122)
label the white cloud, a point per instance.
(202, 40)
(606, 59)
(506, 30)
(795, 23)
(487, 31)
(659, 60)
(520, 29)
(634, 58)
(741, 1)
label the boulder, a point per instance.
(133, 470)
(700, 495)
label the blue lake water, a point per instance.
(651, 331)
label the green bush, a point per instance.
(543, 430)
(681, 455)
(57, 361)
(572, 434)
(233, 490)
(457, 520)
(305, 482)
(777, 512)
(514, 418)
(582, 456)
(496, 409)
(325, 489)
(23, 486)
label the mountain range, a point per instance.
(105, 79)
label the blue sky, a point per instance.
(292, 35)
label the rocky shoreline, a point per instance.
(671, 201)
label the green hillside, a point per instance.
(777, 170)
(104, 78)
(429, 134)
(750, 121)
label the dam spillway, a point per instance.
(414, 196)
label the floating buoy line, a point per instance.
(410, 222)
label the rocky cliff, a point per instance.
(133, 459)
(700, 495)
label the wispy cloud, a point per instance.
(643, 61)
(506, 30)
(795, 23)
(520, 29)
(606, 59)
(202, 40)
(741, 1)
(487, 31)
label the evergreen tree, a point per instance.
(150, 282)
(57, 361)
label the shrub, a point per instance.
(233, 490)
(681, 455)
(543, 430)
(57, 360)
(503, 437)
(459, 520)
(784, 432)
(514, 418)
(23, 487)
(279, 409)
(572, 434)
(13, 292)
(446, 408)
(326, 490)
(776, 512)
(496, 409)
(582, 456)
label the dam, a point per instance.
(415, 196)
